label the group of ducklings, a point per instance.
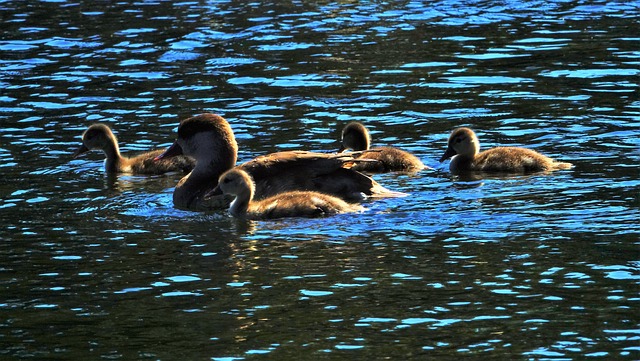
(293, 183)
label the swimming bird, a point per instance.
(99, 136)
(389, 159)
(464, 146)
(237, 182)
(210, 140)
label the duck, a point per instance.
(239, 183)
(210, 140)
(464, 147)
(356, 136)
(100, 137)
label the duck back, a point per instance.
(389, 159)
(300, 170)
(146, 164)
(507, 159)
(300, 204)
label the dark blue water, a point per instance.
(525, 267)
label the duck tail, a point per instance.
(562, 165)
(379, 191)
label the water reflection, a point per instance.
(543, 266)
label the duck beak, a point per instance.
(83, 149)
(214, 192)
(172, 151)
(448, 154)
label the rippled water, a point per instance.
(536, 267)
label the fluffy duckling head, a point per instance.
(236, 182)
(205, 137)
(97, 136)
(355, 136)
(462, 141)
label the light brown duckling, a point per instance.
(237, 182)
(210, 140)
(389, 159)
(465, 149)
(100, 137)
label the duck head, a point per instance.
(97, 136)
(236, 182)
(462, 141)
(206, 137)
(355, 136)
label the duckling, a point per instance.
(210, 140)
(389, 159)
(99, 136)
(465, 147)
(237, 182)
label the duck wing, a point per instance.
(146, 163)
(302, 170)
(276, 163)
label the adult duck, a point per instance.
(100, 137)
(356, 136)
(464, 147)
(210, 140)
(239, 183)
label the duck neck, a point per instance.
(191, 189)
(461, 162)
(212, 159)
(476, 147)
(467, 151)
(240, 206)
(114, 161)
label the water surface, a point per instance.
(527, 267)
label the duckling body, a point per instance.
(288, 204)
(464, 147)
(100, 137)
(209, 139)
(389, 159)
